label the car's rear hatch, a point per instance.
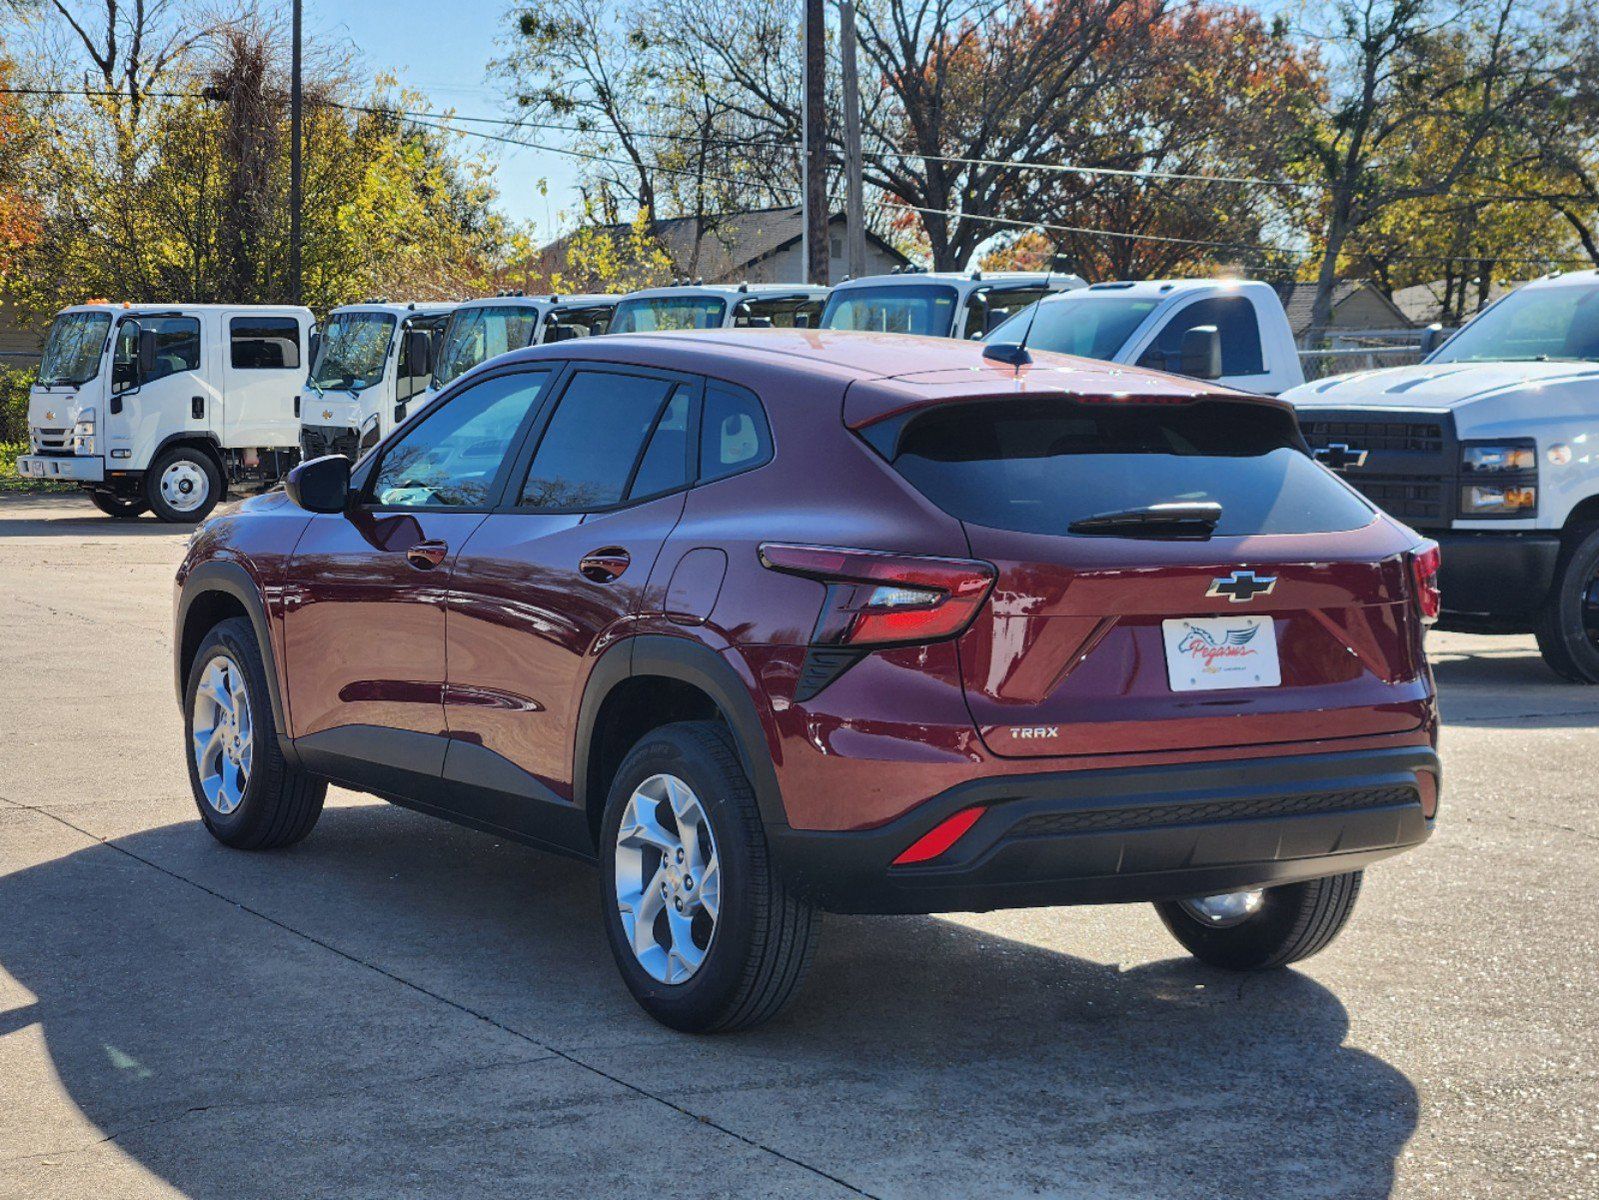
(1287, 618)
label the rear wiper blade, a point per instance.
(1178, 519)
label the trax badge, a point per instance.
(1036, 731)
(1242, 586)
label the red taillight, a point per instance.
(877, 599)
(940, 837)
(1424, 560)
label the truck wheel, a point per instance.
(1272, 927)
(183, 485)
(117, 506)
(707, 938)
(249, 796)
(1568, 626)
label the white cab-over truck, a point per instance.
(166, 406)
(372, 360)
(963, 304)
(1232, 331)
(720, 306)
(479, 330)
(1490, 446)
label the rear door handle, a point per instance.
(602, 566)
(424, 556)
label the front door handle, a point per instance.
(424, 556)
(602, 566)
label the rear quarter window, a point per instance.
(1036, 465)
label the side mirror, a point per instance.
(321, 485)
(314, 346)
(556, 332)
(419, 351)
(370, 432)
(147, 350)
(1431, 338)
(996, 318)
(1199, 353)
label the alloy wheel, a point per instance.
(224, 734)
(668, 879)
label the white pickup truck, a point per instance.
(963, 304)
(720, 306)
(166, 406)
(1491, 447)
(479, 330)
(371, 361)
(1232, 331)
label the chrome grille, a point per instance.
(51, 441)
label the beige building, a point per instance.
(763, 246)
(1357, 305)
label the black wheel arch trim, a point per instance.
(231, 579)
(688, 662)
(203, 440)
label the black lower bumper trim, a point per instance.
(1504, 577)
(1151, 833)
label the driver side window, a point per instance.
(455, 455)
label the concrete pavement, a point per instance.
(397, 1007)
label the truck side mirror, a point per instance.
(996, 318)
(419, 351)
(1431, 338)
(147, 349)
(556, 332)
(314, 346)
(1199, 353)
(321, 485)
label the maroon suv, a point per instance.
(769, 622)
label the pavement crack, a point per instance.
(458, 1005)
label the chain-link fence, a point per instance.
(1361, 350)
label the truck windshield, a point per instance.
(475, 335)
(927, 308)
(1089, 324)
(354, 348)
(648, 313)
(1532, 325)
(72, 351)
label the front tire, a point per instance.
(1285, 924)
(117, 506)
(707, 937)
(183, 485)
(248, 794)
(1568, 626)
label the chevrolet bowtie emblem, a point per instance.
(327, 414)
(1242, 586)
(49, 414)
(1340, 457)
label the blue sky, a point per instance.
(442, 48)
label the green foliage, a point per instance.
(14, 404)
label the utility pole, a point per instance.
(815, 191)
(854, 188)
(295, 136)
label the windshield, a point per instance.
(476, 335)
(1091, 325)
(646, 314)
(1535, 324)
(72, 351)
(353, 351)
(927, 308)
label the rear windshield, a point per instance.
(1037, 465)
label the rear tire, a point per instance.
(1568, 626)
(747, 965)
(117, 506)
(183, 485)
(1294, 921)
(276, 804)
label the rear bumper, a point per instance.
(49, 466)
(1112, 836)
(1505, 576)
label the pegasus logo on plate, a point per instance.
(1242, 586)
(1035, 731)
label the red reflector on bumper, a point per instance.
(940, 837)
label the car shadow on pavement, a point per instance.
(400, 1006)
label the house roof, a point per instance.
(729, 243)
(1298, 298)
(1423, 303)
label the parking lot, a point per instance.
(398, 1007)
